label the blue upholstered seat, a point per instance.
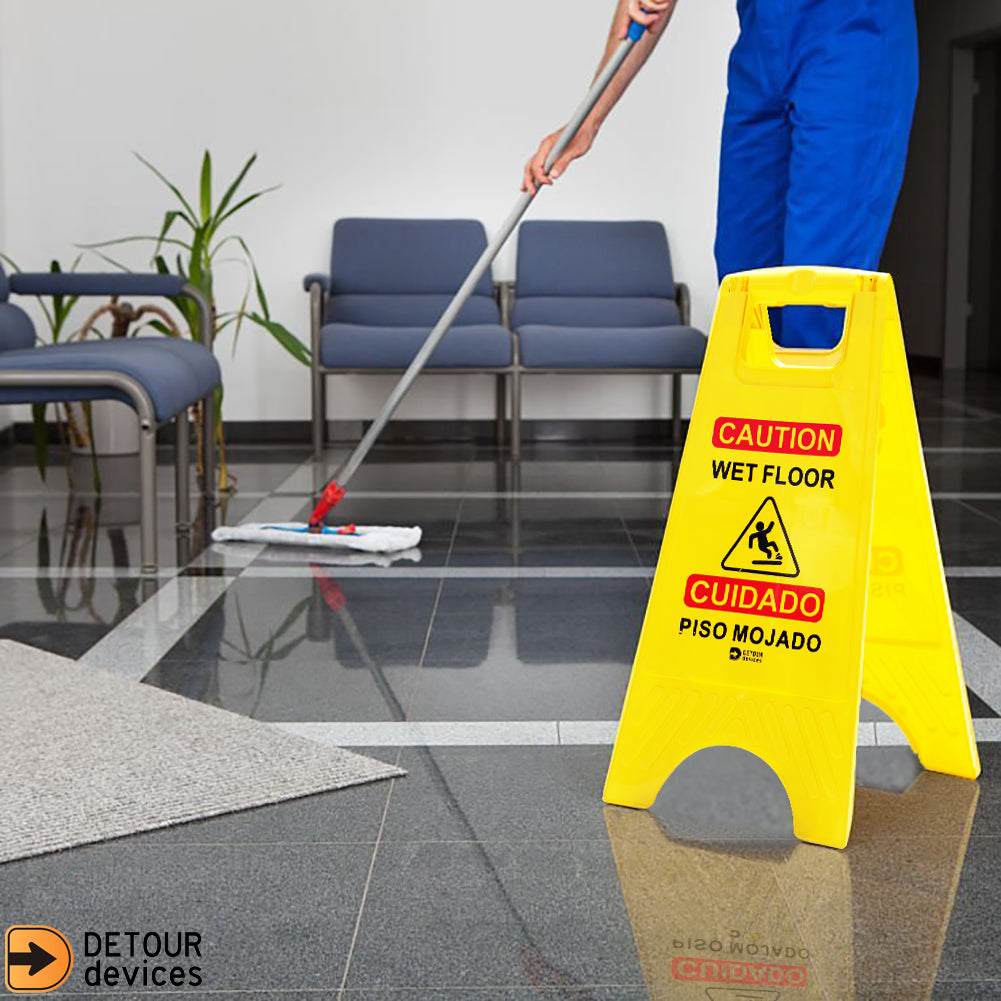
(588, 347)
(351, 345)
(174, 373)
(600, 295)
(159, 377)
(391, 279)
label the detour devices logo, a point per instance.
(36, 959)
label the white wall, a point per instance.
(421, 108)
(6, 413)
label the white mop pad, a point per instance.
(334, 558)
(367, 538)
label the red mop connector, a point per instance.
(330, 497)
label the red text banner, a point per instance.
(747, 434)
(755, 597)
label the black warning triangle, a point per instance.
(763, 547)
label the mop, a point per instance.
(386, 538)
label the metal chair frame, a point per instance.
(140, 401)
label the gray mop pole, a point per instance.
(335, 489)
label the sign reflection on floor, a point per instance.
(774, 920)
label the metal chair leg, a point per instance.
(208, 483)
(182, 476)
(208, 462)
(676, 408)
(319, 398)
(147, 496)
(516, 413)
(500, 401)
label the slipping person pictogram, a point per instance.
(764, 536)
(769, 548)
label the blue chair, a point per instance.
(159, 377)
(601, 297)
(390, 280)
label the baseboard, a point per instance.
(468, 431)
(654, 431)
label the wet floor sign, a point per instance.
(800, 566)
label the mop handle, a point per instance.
(335, 490)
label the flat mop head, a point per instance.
(367, 538)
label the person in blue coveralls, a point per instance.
(818, 115)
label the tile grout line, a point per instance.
(799, 928)
(629, 535)
(434, 612)
(554, 572)
(966, 505)
(364, 893)
(134, 647)
(402, 572)
(542, 733)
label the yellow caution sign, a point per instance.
(757, 621)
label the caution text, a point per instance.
(723, 971)
(755, 597)
(786, 437)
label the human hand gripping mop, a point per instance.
(392, 539)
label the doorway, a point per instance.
(983, 330)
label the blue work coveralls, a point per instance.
(818, 115)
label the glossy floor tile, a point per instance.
(306, 648)
(493, 871)
(68, 613)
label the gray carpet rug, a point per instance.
(87, 756)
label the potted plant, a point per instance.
(189, 243)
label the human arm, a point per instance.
(654, 15)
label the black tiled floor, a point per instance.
(541, 532)
(530, 649)
(498, 794)
(496, 872)
(498, 914)
(67, 614)
(306, 648)
(978, 599)
(283, 898)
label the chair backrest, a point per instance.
(403, 272)
(594, 274)
(16, 328)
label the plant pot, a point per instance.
(115, 425)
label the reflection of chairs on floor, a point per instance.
(159, 377)
(600, 297)
(370, 633)
(579, 625)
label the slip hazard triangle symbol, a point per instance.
(763, 547)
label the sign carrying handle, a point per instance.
(745, 333)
